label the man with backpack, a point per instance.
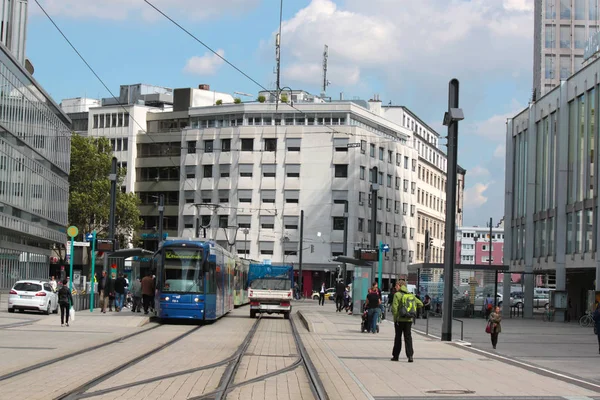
(65, 300)
(404, 309)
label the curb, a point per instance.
(305, 322)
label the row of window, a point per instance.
(362, 198)
(120, 144)
(432, 178)
(580, 10)
(113, 120)
(225, 121)
(436, 228)
(481, 235)
(436, 253)
(390, 179)
(431, 201)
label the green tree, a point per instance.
(89, 192)
(237, 100)
(219, 102)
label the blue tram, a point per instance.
(194, 280)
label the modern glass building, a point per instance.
(551, 203)
(35, 141)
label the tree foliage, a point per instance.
(89, 192)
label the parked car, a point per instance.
(32, 295)
(540, 300)
(329, 294)
(480, 300)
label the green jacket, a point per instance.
(397, 304)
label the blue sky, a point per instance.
(404, 50)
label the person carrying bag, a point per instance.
(65, 300)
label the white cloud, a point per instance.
(205, 65)
(493, 128)
(126, 9)
(500, 151)
(408, 39)
(312, 73)
(478, 172)
(474, 195)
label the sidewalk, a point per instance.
(440, 368)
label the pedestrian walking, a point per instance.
(322, 294)
(494, 326)
(53, 284)
(120, 285)
(103, 294)
(65, 300)
(136, 292)
(110, 290)
(426, 306)
(373, 305)
(404, 310)
(147, 291)
(340, 289)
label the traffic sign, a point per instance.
(350, 145)
(385, 248)
(72, 231)
(89, 237)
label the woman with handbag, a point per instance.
(493, 326)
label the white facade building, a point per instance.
(79, 104)
(262, 168)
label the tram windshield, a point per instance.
(182, 270)
(271, 284)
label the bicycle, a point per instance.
(586, 320)
(548, 315)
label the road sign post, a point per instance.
(93, 268)
(72, 231)
(383, 248)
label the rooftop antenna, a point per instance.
(325, 81)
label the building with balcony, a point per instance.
(35, 145)
(473, 246)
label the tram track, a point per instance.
(227, 382)
(79, 392)
(55, 360)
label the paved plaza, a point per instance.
(534, 360)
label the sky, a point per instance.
(406, 51)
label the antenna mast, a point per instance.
(278, 62)
(325, 81)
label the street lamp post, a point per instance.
(246, 231)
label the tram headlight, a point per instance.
(196, 300)
(167, 298)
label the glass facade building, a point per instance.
(35, 141)
(551, 204)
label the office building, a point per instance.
(551, 202)
(561, 29)
(35, 145)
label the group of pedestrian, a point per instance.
(113, 292)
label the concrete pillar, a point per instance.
(560, 184)
(508, 211)
(530, 188)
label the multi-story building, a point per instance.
(473, 247)
(561, 29)
(35, 145)
(13, 27)
(243, 172)
(551, 202)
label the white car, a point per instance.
(32, 295)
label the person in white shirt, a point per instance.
(322, 295)
(53, 284)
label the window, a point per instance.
(223, 221)
(266, 248)
(579, 9)
(340, 144)
(226, 145)
(244, 195)
(404, 208)
(290, 222)
(550, 37)
(244, 221)
(388, 229)
(380, 180)
(389, 181)
(397, 206)
(247, 144)
(290, 248)
(565, 67)
(338, 223)
(413, 187)
(549, 66)
(414, 165)
(337, 249)
(372, 150)
(404, 232)
(397, 183)
(390, 156)
(361, 198)
(565, 37)
(580, 37)
(406, 185)
(412, 210)
(405, 162)
(412, 233)
(206, 196)
(267, 221)
(95, 121)
(379, 224)
(381, 153)
(388, 204)
(363, 146)
(246, 170)
(291, 196)
(268, 170)
(363, 171)
(208, 146)
(379, 203)
(292, 170)
(293, 144)
(270, 144)
(224, 196)
(208, 171)
(190, 171)
(341, 170)
(205, 220)
(398, 158)
(267, 196)
(361, 224)
(224, 170)
(395, 230)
